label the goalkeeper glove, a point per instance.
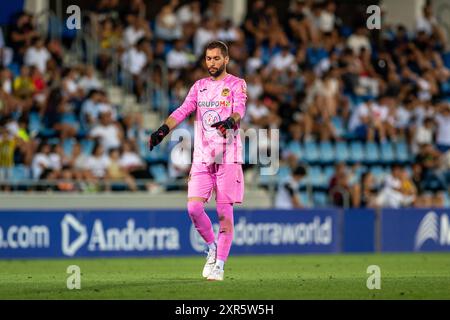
(158, 136)
(225, 125)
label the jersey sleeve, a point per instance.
(189, 105)
(240, 98)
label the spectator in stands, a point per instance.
(133, 164)
(368, 191)
(178, 57)
(40, 166)
(6, 53)
(167, 27)
(134, 61)
(287, 196)
(23, 84)
(443, 127)
(37, 55)
(428, 24)
(359, 40)
(108, 132)
(89, 80)
(22, 33)
(205, 33)
(116, 173)
(97, 163)
(66, 181)
(393, 193)
(70, 86)
(53, 111)
(136, 30)
(8, 145)
(341, 191)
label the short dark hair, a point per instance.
(300, 171)
(218, 45)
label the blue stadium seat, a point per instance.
(315, 176)
(87, 146)
(356, 151)
(387, 152)
(311, 151)
(68, 146)
(159, 172)
(446, 200)
(70, 118)
(402, 151)
(283, 172)
(34, 123)
(341, 151)
(320, 199)
(378, 173)
(304, 199)
(295, 148)
(328, 172)
(372, 153)
(338, 126)
(20, 173)
(326, 152)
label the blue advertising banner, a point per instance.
(122, 233)
(359, 230)
(415, 230)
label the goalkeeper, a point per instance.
(219, 103)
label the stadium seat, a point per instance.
(338, 126)
(304, 199)
(372, 153)
(87, 146)
(283, 172)
(356, 151)
(387, 152)
(320, 199)
(328, 172)
(315, 176)
(20, 173)
(378, 173)
(311, 151)
(68, 146)
(326, 152)
(159, 172)
(34, 123)
(341, 154)
(295, 148)
(402, 151)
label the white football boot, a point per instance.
(216, 274)
(210, 262)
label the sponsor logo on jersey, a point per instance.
(214, 104)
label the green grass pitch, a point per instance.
(403, 276)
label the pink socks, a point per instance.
(203, 225)
(201, 220)
(226, 231)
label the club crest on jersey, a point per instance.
(225, 92)
(208, 118)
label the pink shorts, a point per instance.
(226, 179)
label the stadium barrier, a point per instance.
(146, 233)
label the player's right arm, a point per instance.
(189, 105)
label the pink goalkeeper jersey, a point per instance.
(213, 101)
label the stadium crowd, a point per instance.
(325, 85)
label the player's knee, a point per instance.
(195, 208)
